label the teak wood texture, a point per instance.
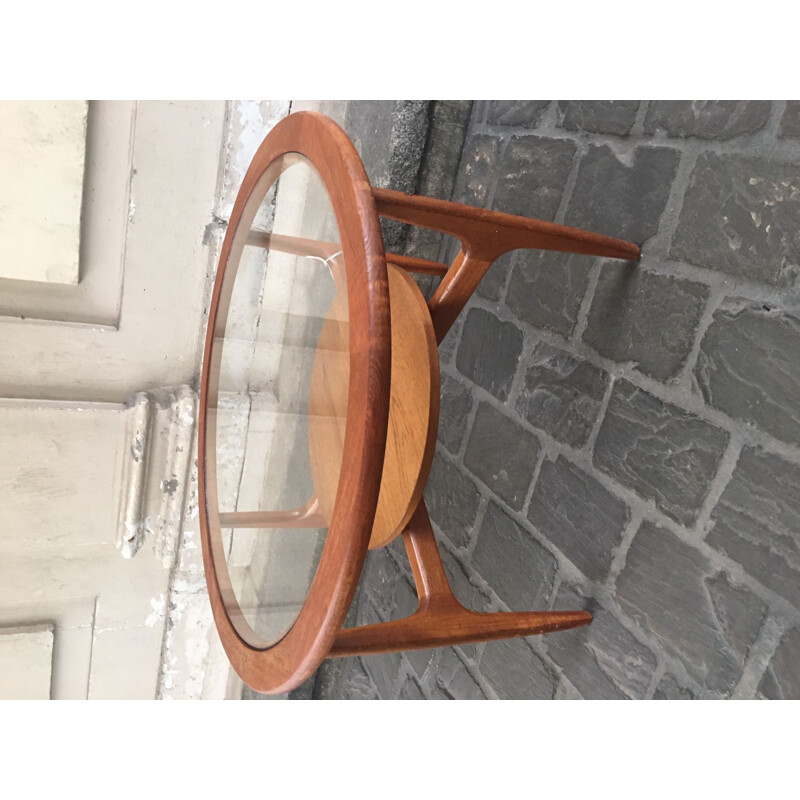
(413, 410)
(375, 412)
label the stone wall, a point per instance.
(614, 436)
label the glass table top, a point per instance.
(277, 409)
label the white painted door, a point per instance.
(97, 406)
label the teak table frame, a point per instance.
(484, 236)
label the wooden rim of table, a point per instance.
(279, 666)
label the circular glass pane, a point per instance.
(277, 402)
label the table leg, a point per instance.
(440, 619)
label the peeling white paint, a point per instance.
(250, 122)
(254, 127)
(130, 530)
(158, 606)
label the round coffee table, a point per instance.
(319, 406)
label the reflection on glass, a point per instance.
(279, 414)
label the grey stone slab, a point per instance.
(644, 317)
(598, 116)
(450, 679)
(546, 289)
(390, 591)
(739, 612)
(782, 678)
(478, 169)
(452, 501)
(578, 515)
(669, 689)
(790, 120)
(410, 690)
(382, 669)
(515, 672)
(454, 409)
(667, 587)
(741, 215)
(757, 521)
(466, 592)
(464, 687)
(369, 126)
(602, 660)
(561, 394)
(532, 176)
(419, 659)
(489, 351)
(661, 451)
(501, 454)
(516, 113)
(439, 170)
(748, 367)
(494, 281)
(622, 197)
(513, 563)
(707, 119)
(356, 684)
(450, 342)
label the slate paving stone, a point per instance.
(602, 660)
(598, 116)
(515, 672)
(756, 521)
(410, 690)
(382, 669)
(455, 406)
(740, 613)
(707, 119)
(478, 169)
(519, 570)
(419, 659)
(391, 592)
(622, 197)
(494, 281)
(546, 289)
(561, 394)
(578, 515)
(741, 215)
(532, 175)
(469, 595)
(439, 170)
(452, 500)
(501, 454)
(644, 317)
(356, 684)
(450, 342)
(516, 113)
(450, 679)
(489, 351)
(463, 686)
(680, 601)
(669, 689)
(666, 587)
(781, 680)
(659, 450)
(790, 120)
(748, 367)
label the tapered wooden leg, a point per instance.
(455, 289)
(440, 619)
(485, 236)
